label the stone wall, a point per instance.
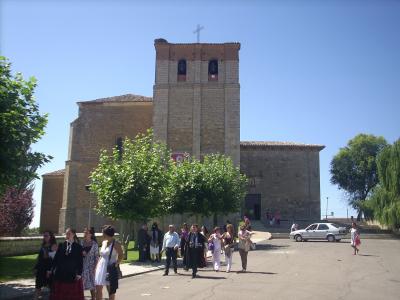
(14, 246)
(99, 125)
(198, 115)
(286, 177)
(52, 193)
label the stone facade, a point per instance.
(52, 194)
(195, 112)
(99, 126)
(283, 177)
(198, 113)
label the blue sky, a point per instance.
(310, 71)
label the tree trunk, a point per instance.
(359, 216)
(124, 237)
(215, 220)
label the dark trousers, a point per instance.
(194, 259)
(142, 253)
(243, 257)
(183, 253)
(171, 254)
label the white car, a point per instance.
(319, 231)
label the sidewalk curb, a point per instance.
(143, 272)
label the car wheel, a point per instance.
(331, 238)
(338, 240)
(298, 238)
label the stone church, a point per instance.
(195, 109)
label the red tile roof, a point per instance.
(121, 98)
(272, 144)
(55, 173)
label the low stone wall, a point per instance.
(13, 246)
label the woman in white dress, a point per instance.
(107, 267)
(215, 239)
(355, 238)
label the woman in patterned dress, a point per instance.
(90, 257)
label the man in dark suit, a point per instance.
(143, 243)
(196, 245)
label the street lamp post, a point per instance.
(326, 213)
(87, 188)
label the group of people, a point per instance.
(150, 243)
(273, 219)
(193, 244)
(73, 266)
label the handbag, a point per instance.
(228, 250)
(211, 246)
(112, 268)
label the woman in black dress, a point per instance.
(67, 269)
(44, 262)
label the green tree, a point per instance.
(225, 186)
(21, 125)
(187, 182)
(354, 168)
(384, 204)
(214, 186)
(133, 185)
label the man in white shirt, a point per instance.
(170, 246)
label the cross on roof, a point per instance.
(197, 31)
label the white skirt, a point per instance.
(154, 250)
(101, 273)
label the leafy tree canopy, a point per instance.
(16, 211)
(214, 186)
(384, 204)
(354, 167)
(21, 125)
(134, 184)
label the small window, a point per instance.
(323, 227)
(213, 70)
(182, 70)
(312, 227)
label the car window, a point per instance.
(323, 227)
(312, 227)
(335, 225)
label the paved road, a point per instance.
(283, 269)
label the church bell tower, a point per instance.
(197, 98)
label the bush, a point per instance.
(16, 211)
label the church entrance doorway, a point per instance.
(253, 206)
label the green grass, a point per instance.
(17, 267)
(133, 255)
(20, 267)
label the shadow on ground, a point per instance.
(16, 291)
(368, 255)
(201, 276)
(264, 247)
(251, 272)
